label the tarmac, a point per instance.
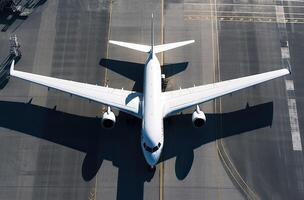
(52, 145)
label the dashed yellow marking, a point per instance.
(243, 19)
(92, 195)
(105, 83)
(197, 5)
(93, 192)
(109, 34)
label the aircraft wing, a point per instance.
(178, 100)
(123, 100)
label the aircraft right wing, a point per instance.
(178, 100)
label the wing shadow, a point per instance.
(180, 142)
(122, 146)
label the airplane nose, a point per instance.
(151, 152)
(152, 158)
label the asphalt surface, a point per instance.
(263, 157)
(43, 150)
(196, 171)
(52, 146)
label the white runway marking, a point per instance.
(280, 15)
(294, 0)
(294, 125)
(285, 52)
(293, 117)
(289, 85)
(291, 101)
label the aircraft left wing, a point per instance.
(123, 100)
(178, 100)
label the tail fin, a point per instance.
(152, 34)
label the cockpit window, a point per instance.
(151, 150)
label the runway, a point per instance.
(52, 146)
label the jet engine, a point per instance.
(198, 118)
(108, 119)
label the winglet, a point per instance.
(12, 67)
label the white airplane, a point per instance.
(153, 105)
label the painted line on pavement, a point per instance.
(289, 84)
(294, 125)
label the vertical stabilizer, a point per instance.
(152, 34)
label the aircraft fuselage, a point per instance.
(152, 136)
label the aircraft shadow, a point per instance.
(122, 147)
(181, 138)
(135, 71)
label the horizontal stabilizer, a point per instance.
(137, 47)
(169, 46)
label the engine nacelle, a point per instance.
(198, 118)
(108, 119)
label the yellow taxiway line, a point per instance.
(93, 193)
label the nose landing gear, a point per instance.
(151, 168)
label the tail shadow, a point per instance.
(135, 71)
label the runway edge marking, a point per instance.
(289, 84)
